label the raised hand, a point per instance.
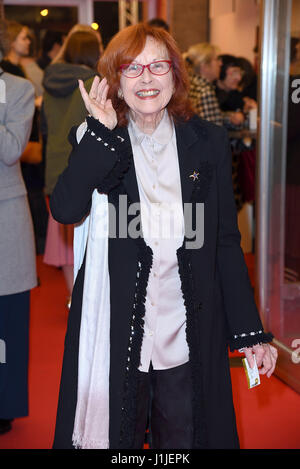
(97, 104)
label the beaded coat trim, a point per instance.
(238, 342)
(192, 324)
(129, 408)
(114, 143)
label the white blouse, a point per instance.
(157, 170)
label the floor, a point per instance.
(268, 416)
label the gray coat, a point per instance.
(17, 251)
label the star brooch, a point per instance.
(194, 176)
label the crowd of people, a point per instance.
(44, 102)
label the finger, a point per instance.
(82, 88)
(267, 364)
(274, 355)
(259, 354)
(101, 96)
(272, 366)
(109, 104)
(104, 95)
(84, 95)
(271, 371)
(249, 356)
(94, 87)
(274, 352)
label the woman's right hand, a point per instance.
(97, 104)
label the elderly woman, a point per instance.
(152, 313)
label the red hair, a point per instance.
(124, 47)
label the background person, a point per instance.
(32, 160)
(154, 316)
(203, 68)
(232, 104)
(159, 23)
(32, 165)
(17, 253)
(229, 97)
(51, 45)
(62, 109)
(248, 83)
(31, 69)
(19, 44)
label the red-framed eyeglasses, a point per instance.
(133, 70)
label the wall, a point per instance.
(295, 26)
(189, 21)
(233, 25)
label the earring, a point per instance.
(120, 94)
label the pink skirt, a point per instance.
(59, 244)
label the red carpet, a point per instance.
(268, 416)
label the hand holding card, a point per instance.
(252, 374)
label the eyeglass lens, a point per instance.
(157, 68)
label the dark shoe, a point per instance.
(5, 426)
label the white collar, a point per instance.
(161, 136)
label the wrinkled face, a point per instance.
(148, 94)
(22, 43)
(233, 78)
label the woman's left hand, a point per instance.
(266, 357)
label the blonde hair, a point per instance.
(201, 53)
(82, 28)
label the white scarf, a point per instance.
(91, 426)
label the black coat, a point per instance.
(217, 292)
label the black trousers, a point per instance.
(14, 334)
(165, 407)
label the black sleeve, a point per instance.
(99, 161)
(245, 325)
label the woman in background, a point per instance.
(17, 253)
(18, 47)
(203, 68)
(62, 109)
